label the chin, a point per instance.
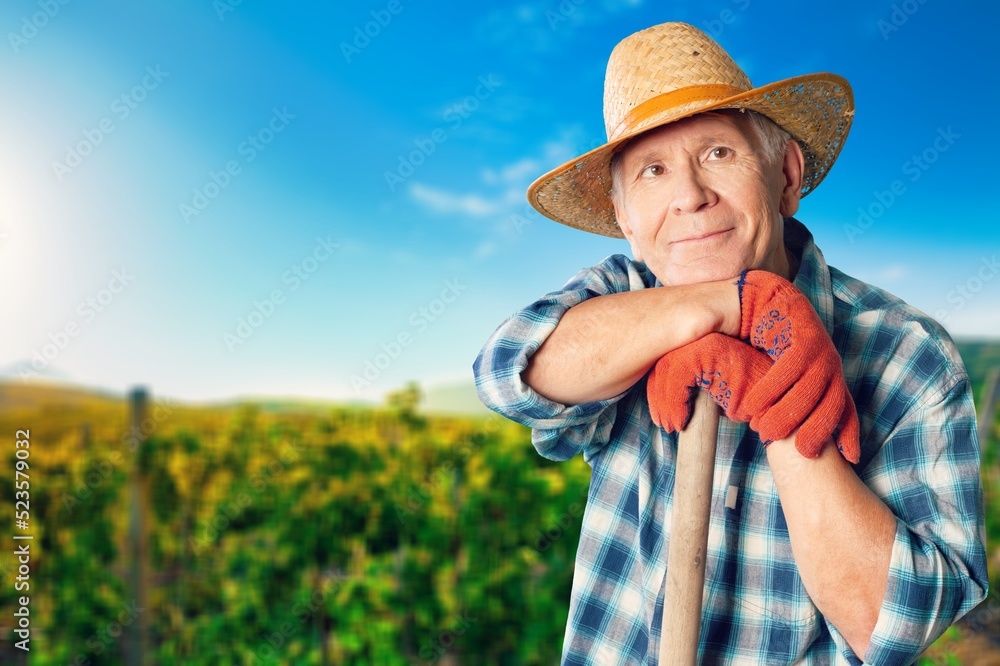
(707, 271)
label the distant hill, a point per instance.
(39, 394)
(979, 358)
(458, 398)
(36, 395)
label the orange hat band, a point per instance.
(667, 100)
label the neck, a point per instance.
(792, 265)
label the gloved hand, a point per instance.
(723, 366)
(805, 386)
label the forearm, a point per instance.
(841, 536)
(605, 344)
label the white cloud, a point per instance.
(485, 249)
(499, 204)
(505, 186)
(615, 6)
(570, 143)
(444, 202)
(893, 273)
(513, 173)
(544, 25)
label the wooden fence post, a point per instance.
(138, 551)
(987, 402)
(985, 414)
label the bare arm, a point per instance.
(605, 344)
(841, 535)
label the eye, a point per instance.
(652, 170)
(720, 153)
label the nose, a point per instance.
(691, 191)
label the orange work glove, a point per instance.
(805, 386)
(723, 366)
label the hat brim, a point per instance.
(815, 109)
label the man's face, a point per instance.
(699, 203)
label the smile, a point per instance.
(706, 236)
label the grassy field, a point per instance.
(277, 533)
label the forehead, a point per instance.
(703, 127)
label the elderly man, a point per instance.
(847, 519)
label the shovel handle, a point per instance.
(689, 535)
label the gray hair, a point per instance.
(770, 137)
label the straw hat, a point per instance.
(672, 71)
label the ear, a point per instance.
(626, 229)
(793, 169)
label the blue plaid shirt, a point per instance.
(919, 455)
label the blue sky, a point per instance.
(172, 169)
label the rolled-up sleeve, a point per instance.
(559, 431)
(928, 473)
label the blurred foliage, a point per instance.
(976, 638)
(336, 536)
(326, 535)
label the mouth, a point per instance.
(710, 235)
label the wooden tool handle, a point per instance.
(689, 535)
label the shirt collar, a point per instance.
(813, 278)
